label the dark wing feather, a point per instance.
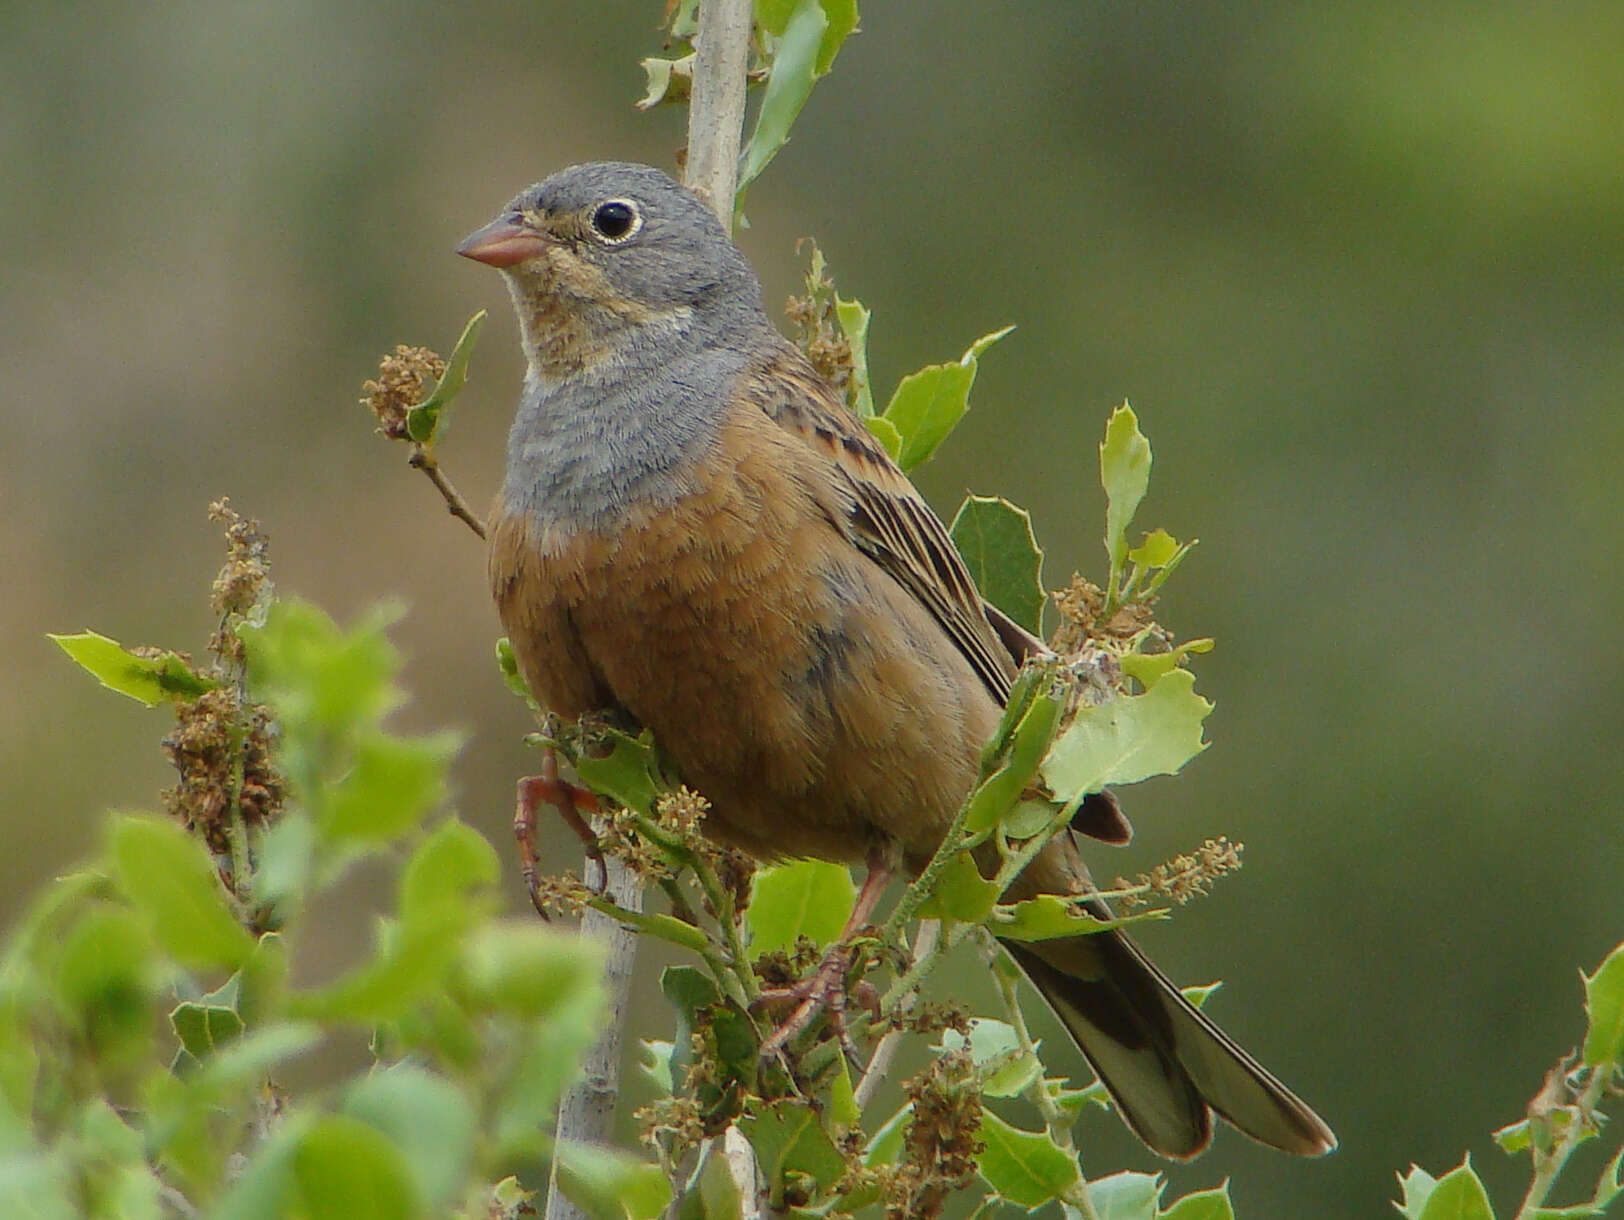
(885, 516)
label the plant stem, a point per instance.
(1548, 1168)
(716, 108)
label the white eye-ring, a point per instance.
(616, 220)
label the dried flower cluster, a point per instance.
(817, 327)
(404, 380)
(942, 1141)
(1080, 604)
(244, 583)
(1184, 876)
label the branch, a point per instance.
(716, 107)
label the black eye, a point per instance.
(617, 219)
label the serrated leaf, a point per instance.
(789, 83)
(529, 972)
(996, 540)
(628, 774)
(204, 1028)
(1458, 1195)
(1125, 474)
(669, 80)
(1126, 1196)
(610, 1185)
(1514, 1137)
(1129, 739)
(149, 680)
(168, 877)
(1025, 1167)
(961, 893)
(1604, 1005)
(1156, 550)
(428, 422)
(1003, 1065)
(810, 898)
(928, 404)
(452, 873)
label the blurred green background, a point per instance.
(1357, 265)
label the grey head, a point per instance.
(598, 252)
(637, 313)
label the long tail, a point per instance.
(1166, 1066)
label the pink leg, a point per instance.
(548, 788)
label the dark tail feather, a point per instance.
(1166, 1066)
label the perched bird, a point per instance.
(695, 531)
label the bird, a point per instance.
(696, 533)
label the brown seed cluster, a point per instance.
(203, 748)
(1080, 604)
(942, 1141)
(405, 378)
(244, 583)
(817, 328)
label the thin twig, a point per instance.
(425, 461)
(1549, 1167)
(879, 1064)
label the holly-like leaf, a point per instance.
(149, 679)
(810, 898)
(1126, 1196)
(928, 405)
(1051, 917)
(1211, 1204)
(1025, 1167)
(425, 1116)
(996, 540)
(1458, 1195)
(788, 1138)
(1129, 739)
(854, 318)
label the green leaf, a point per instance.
(255, 1053)
(886, 1144)
(928, 405)
(1129, 739)
(1604, 1005)
(392, 785)
(1156, 550)
(452, 874)
(530, 972)
(610, 1185)
(550, 1060)
(1211, 1204)
(508, 663)
(428, 422)
(1458, 1195)
(323, 682)
(204, 1028)
(1051, 916)
(961, 893)
(428, 1119)
(995, 1049)
(854, 318)
(789, 83)
(789, 1139)
(107, 978)
(669, 80)
(148, 679)
(656, 1065)
(169, 879)
(810, 898)
(1125, 473)
(1126, 1196)
(1000, 793)
(1025, 1167)
(344, 1169)
(995, 538)
(773, 16)
(886, 433)
(628, 774)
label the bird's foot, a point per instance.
(824, 990)
(574, 805)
